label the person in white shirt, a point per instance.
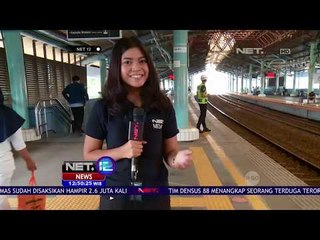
(11, 133)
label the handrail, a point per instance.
(61, 105)
(41, 106)
(64, 113)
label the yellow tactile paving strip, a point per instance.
(89, 202)
(67, 202)
(78, 202)
(207, 176)
(188, 202)
(255, 201)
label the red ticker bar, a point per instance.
(82, 176)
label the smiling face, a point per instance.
(134, 68)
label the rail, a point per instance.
(41, 118)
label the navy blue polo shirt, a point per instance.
(158, 126)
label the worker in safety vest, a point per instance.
(202, 98)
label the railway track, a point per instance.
(290, 120)
(290, 141)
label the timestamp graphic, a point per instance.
(83, 183)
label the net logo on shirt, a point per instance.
(157, 123)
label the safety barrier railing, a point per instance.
(41, 117)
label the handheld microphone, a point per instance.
(136, 133)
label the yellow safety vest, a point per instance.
(202, 94)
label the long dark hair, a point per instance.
(114, 91)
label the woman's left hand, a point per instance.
(183, 159)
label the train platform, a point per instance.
(285, 104)
(220, 158)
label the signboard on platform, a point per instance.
(74, 35)
(176, 63)
(180, 49)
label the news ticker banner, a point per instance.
(87, 173)
(192, 190)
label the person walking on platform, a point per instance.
(301, 96)
(202, 98)
(76, 95)
(132, 88)
(11, 134)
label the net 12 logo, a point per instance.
(87, 173)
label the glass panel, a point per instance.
(57, 53)
(78, 60)
(39, 49)
(49, 52)
(93, 82)
(65, 57)
(27, 45)
(71, 58)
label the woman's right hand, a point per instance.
(31, 165)
(133, 148)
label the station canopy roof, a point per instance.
(230, 50)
